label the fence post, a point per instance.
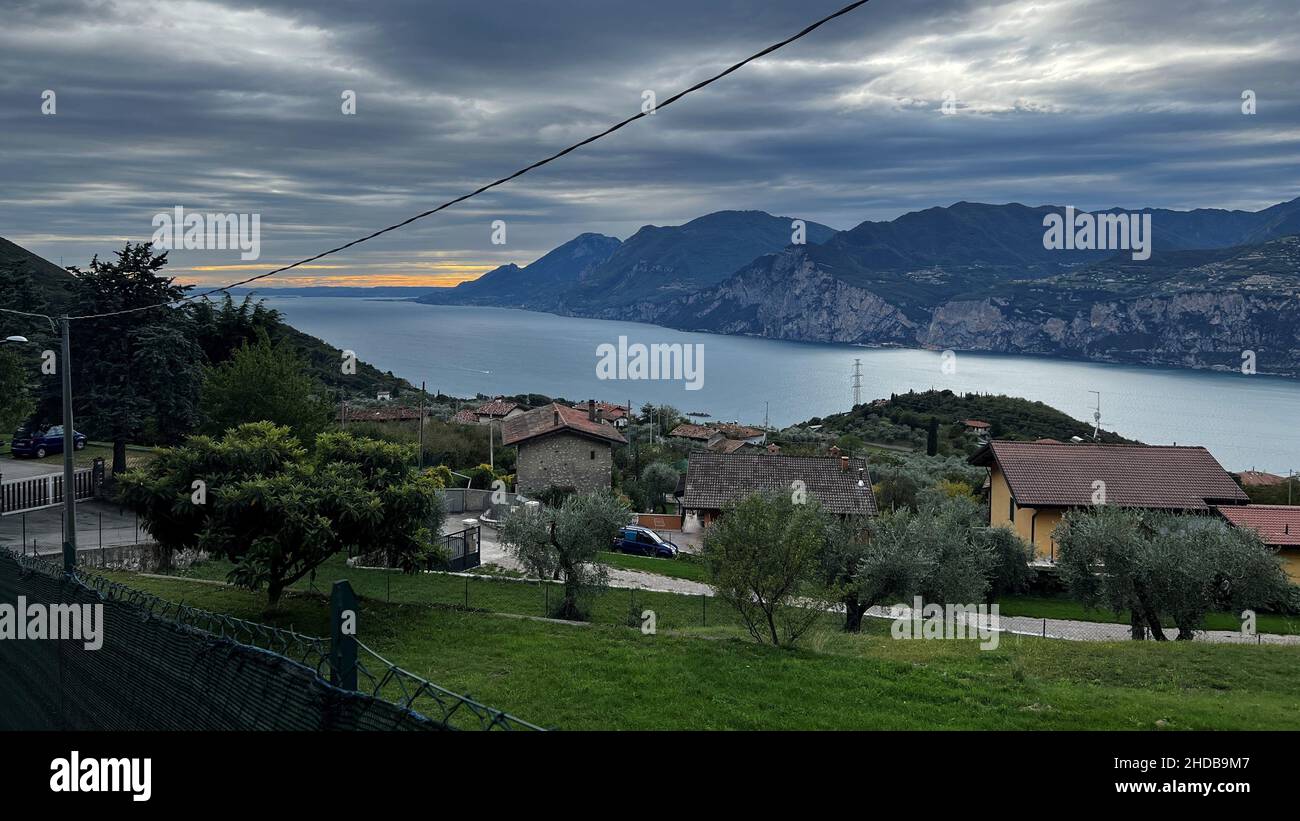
(467, 592)
(704, 610)
(343, 632)
(1044, 628)
(546, 608)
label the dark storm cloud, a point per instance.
(229, 106)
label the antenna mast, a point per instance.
(857, 382)
(1096, 418)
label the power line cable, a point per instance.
(679, 95)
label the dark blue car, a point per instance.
(643, 541)
(41, 444)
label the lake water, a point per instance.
(1245, 421)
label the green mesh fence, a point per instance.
(165, 666)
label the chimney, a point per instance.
(591, 409)
(862, 479)
(600, 414)
(557, 417)
(844, 464)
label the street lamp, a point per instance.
(69, 492)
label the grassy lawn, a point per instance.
(85, 457)
(503, 595)
(1060, 607)
(608, 676)
(685, 566)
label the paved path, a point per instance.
(493, 553)
(11, 468)
(1093, 630)
(41, 531)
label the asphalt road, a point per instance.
(11, 468)
(41, 531)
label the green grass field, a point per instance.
(685, 566)
(1061, 607)
(609, 676)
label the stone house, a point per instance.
(714, 480)
(562, 446)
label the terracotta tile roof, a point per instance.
(1277, 525)
(553, 418)
(740, 431)
(1161, 477)
(975, 423)
(728, 445)
(1258, 478)
(497, 407)
(396, 414)
(713, 480)
(610, 410)
(465, 417)
(691, 431)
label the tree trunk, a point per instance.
(853, 610)
(273, 591)
(1138, 627)
(1149, 614)
(1153, 624)
(771, 626)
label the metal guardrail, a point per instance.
(39, 492)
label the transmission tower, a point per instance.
(857, 382)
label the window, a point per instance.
(593, 454)
(1011, 509)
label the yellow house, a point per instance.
(1033, 484)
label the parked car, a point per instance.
(643, 541)
(42, 443)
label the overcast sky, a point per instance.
(236, 107)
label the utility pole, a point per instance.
(857, 382)
(421, 437)
(766, 406)
(1096, 418)
(69, 491)
(491, 456)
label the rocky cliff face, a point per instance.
(788, 296)
(1195, 329)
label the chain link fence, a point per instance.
(167, 666)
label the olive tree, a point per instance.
(762, 554)
(657, 479)
(941, 554)
(564, 542)
(1162, 567)
(868, 563)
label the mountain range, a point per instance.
(970, 276)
